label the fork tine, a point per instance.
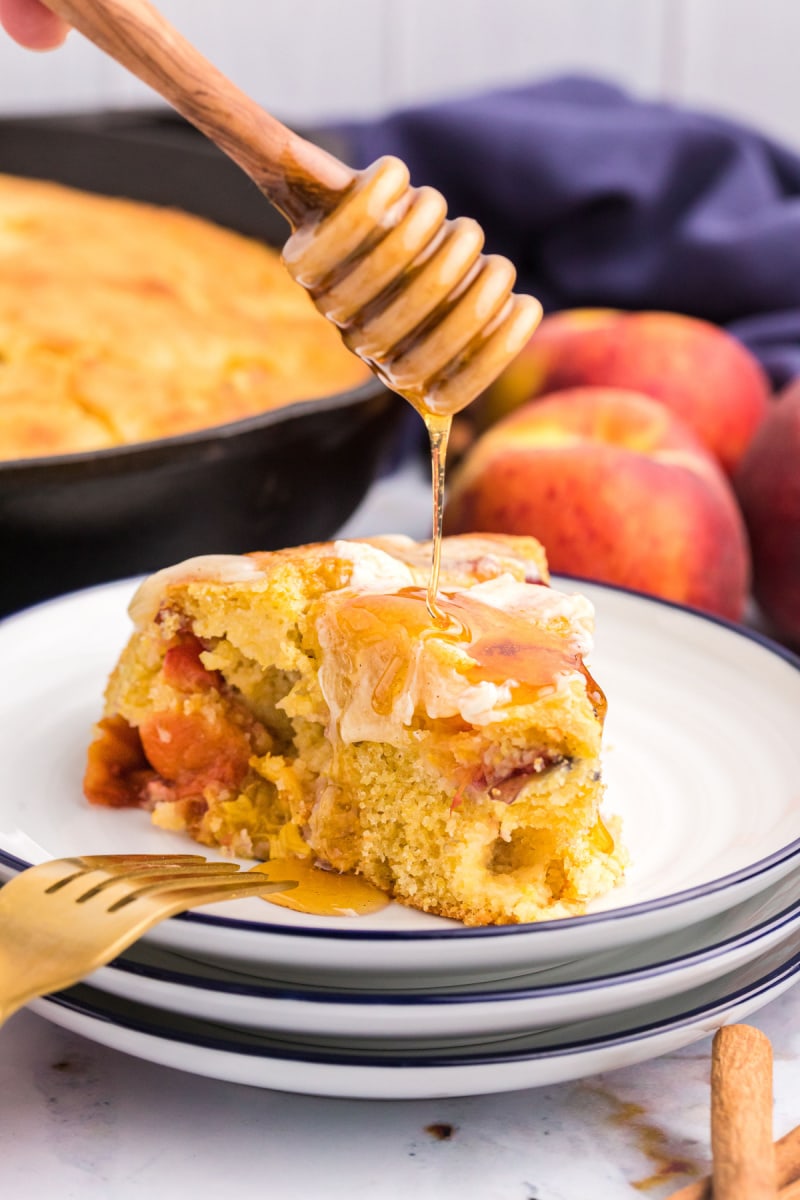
(201, 890)
(144, 880)
(112, 862)
(133, 866)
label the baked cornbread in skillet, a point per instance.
(122, 322)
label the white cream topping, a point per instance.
(222, 568)
(543, 604)
(373, 570)
(478, 703)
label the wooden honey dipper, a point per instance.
(410, 291)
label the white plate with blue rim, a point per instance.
(702, 762)
(591, 987)
(382, 1069)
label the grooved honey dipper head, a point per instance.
(410, 291)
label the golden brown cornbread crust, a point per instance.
(123, 322)
(423, 813)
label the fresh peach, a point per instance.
(768, 485)
(699, 371)
(618, 489)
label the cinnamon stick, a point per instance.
(742, 1153)
(744, 1160)
(787, 1164)
(787, 1160)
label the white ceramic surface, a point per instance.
(591, 987)
(403, 1070)
(702, 762)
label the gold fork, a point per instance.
(61, 920)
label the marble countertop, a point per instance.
(79, 1121)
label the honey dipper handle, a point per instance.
(300, 179)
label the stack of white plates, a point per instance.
(702, 763)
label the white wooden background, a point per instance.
(308, 60)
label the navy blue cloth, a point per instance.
(602, 199)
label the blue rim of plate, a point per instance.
(409, 998)
(223, 1041)
(673, 899)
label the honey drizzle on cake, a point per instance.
(505, 647)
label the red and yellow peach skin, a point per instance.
(698, 370)
(618, 489)
(768, 486)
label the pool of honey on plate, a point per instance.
(319, 891)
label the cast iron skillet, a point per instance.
(285, 477)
